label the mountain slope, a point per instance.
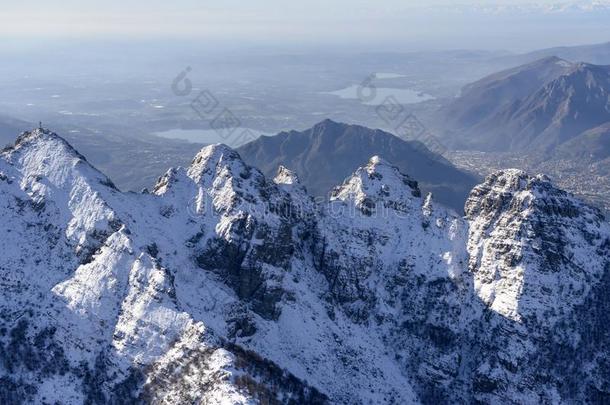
(592, 145)
(136, 287)
(222, 286)
(548, 116)
(491, 94)
(535, 255)
(324, 155)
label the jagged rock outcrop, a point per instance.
(222, 286)
(539, 257)
(528, 237)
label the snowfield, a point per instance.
(224, 287)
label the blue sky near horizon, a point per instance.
(390, 24)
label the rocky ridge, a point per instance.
(222, 286)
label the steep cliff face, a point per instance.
(225, 287)
(242, 232)
(396, 264)
(535, 250)
(377, 229)
(540, 258)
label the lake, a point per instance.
(404, 96)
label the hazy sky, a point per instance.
(517, 25)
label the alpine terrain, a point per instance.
(223, 286)
(325, 154)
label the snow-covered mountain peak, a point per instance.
(221, 176)
(517, 181)
(378, 160)
(42, 153)
(30, 142)
(212, 160)
(515, 191)
(286, 176)
(288, 181)
(534, 249)
(42, 135)
(378, 185)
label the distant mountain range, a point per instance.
(489, 96)
(327, 153)
(534, 107)
(598, 54)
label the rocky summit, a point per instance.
(221, 286)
